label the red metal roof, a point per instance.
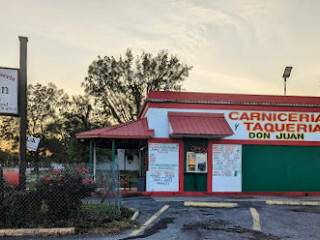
(135, 129)
(167, 98)
(221, 97)
(211, 125)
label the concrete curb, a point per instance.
(47, 231)
(211, 204)
(293, 203)
(134, 216)
(36, 231)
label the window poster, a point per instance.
(163, 172)
(196, 162)
(226, 168)
(201, 162)
(191, 162)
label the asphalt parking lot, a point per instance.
(220, 218)
(235, 218)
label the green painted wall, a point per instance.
(280, 168)
(194, 182)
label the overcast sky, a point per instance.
(234, 46)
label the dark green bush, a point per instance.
(24, 209)
(20, 209)
(93, 215)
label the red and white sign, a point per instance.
(32, 143)
(250, 125)
(263, 125)
(8, 91)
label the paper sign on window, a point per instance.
(196, 162)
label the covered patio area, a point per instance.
(132, 135)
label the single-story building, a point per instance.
(223, 143)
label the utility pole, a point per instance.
(23, 111)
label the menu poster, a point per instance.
(226, 167)
(163, 173)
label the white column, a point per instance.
(94, 161)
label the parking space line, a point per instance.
(256, 219)
(293, 203)
(211, 204)
(150, 220)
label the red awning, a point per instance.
(132, 130)
(208, 125)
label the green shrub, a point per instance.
(95, 215)
(63, 192)
(126, 212)
(57, 200)
(20, 209)
(24, 209)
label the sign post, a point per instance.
(13, 101)
(23, 111)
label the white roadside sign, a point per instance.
(8, 91)
(32, 143)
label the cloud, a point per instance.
(234, 46)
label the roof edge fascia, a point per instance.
(234, 103)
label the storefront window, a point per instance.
(196, 162)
